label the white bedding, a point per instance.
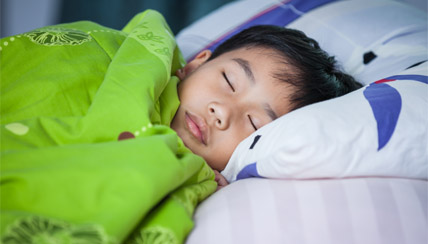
(365, 210)
(378, 130)
(351, 211)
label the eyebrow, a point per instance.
(245, 65)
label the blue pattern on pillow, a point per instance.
(385, 102)
(249, 171)
(420, 78)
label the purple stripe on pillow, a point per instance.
(420, 78)
(248, 172)
(280, 15)
(385, 102)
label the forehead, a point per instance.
(264, 62)
(254, 54)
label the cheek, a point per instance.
(219, 157)
(220, 153)
(194, 94)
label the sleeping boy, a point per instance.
(95, 132)
(250, 80)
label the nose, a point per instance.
(219, 115)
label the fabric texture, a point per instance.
(203, 34)
(398, 39)
(86, 149)
(334, 211)
(378, 130)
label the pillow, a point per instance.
(371, 39)
(344, 29)
(378, 130)
(215, 28)
(362, 210)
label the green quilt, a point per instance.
(87, 155)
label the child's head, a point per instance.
(248, 81)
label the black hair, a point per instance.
(314, 74)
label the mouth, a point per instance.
(196, 127)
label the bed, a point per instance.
(331, 172)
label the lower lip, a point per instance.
(194, 129)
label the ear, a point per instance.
(199, 59)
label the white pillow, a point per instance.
(378, 130)
(357, 211)
(394, 31)
(221, 24)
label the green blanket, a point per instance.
(87, 155)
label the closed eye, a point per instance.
(228, 82)
(252, 123)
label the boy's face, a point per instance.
(226, 99)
